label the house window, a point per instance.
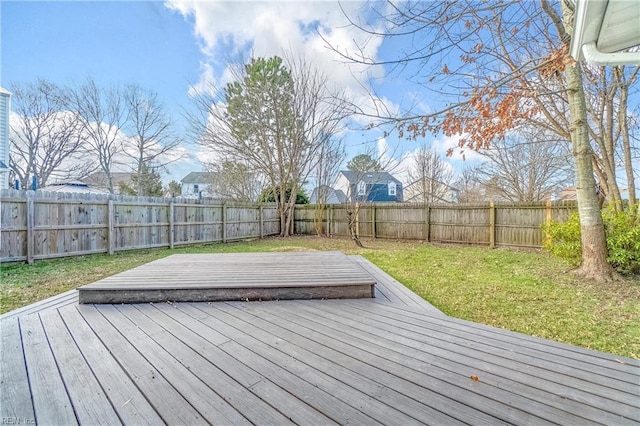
(195, 188)
(362, 188)
(392, 188)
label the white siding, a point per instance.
(342, 183)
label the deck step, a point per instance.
(237, 276)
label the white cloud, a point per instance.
(445, 143)
(227, 30)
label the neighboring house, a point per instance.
(99, 181)
(198, 184)
(426, 190)
(330, 195)
(74, 187)
(567, 194)
(373, 187)
(5, 110)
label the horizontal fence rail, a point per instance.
(488, 224)
(42, 225)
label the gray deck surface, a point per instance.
(390, 360)
(235, 276)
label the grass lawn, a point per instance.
(529, 292)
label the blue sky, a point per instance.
(166, 47)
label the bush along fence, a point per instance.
(488, 224)
(41, 225)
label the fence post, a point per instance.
(547, 236)
(172, 238)
(31, 220)
(492, 225)
(427, 222)
(329, 219)
(261, 221)
(224, 221)
(373, 220)
(292, 228)
(110, 233)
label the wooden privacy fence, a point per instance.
(42, 225)
(490, 224)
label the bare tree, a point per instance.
(470, 188)
(361, 186)
(234, 180)
(607, 90)
(525, 167)
(502, 65)
(45, 137)
(330, 156)
(153, 138)
(431, 178)
(103, 116)
(625, 123)
(274, 118)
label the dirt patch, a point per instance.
(292, 248)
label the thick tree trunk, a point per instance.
(594, 263)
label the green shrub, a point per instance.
(563, 239)
(623, 239)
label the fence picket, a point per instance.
(42, 225)
(488, 224)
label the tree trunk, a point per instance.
(594, 263)
(353, 233)
(624, 130)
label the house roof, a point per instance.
(371, 178)
(199, 177)
(72, 186)
(331, 192)
(99, 179)
(4, 91)
(602, 28)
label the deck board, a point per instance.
(393, 359)
(409, 382)
(90, 403)
(51, 403)
(15, 398)
(129, 402)
(166, 400)
(549, 351)
(455, 358)
(275, 367)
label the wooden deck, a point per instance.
(390, 360)
(235, 276)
